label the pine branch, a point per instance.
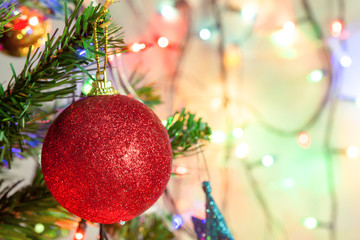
(51, 74)
(145, 92)
(186, 133)
(148, 226)
(21, 211)
(50, 8)
(6, 14)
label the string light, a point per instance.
(163, 42)
(268, 160)
(81, 52)
(87, 86)
(238, 133)
(289, 26)
(304, 139)
(310, 222)
(249, 12)
(232, 56)
(315, 76)
(242, 150)
(177, 221)
(218, 136)
(352, 152)
(39, 228)
(80, 231)
(137, 47)
(79, 236)
(345, 61)
(33, 21)
(169, 12)
(205, 34)
(283, 38)
(181, 170)
(336, 28)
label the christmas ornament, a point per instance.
(214, 227)
(199, 227)
(106, 158)
(30, 29)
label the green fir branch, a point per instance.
(21, 211)
(52, 73)
(49, 8)
(186, 133)
(148, 226)
(6, 16)
(146, 92)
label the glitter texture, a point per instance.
(214, 227)
(107, 158)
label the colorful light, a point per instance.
(39, 228)
(87, 86)
(79, 236)
(289, 26)
(205, 34)
(352, 152)
(33, 21)
(238, 133)
(218, 137)
(177, 221)
(137, 47)
(268, 160)
(248, 12)
(80, 231)
(304, 139)
(82, 52)
(345, 61)
(310, 223)
(163, 42)
(169, 12)
(336, 28)
(232, 56)
(283, 38)
(315, 76)
(181, 170)
(242, 150)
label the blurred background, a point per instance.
(277, 81)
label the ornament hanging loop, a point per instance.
(102, 86)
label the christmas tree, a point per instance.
(54, 72)
(275, 80)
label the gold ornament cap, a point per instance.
(102, 87)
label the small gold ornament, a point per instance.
(30, 29)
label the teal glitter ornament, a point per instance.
(215, 226)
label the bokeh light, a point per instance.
(267, 160)
(242, 150)
(352, 152)
(304, 139)
(310, 222)
(205, 34)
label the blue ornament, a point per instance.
(214, 228)
(199, 227)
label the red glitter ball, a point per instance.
(107, 158)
